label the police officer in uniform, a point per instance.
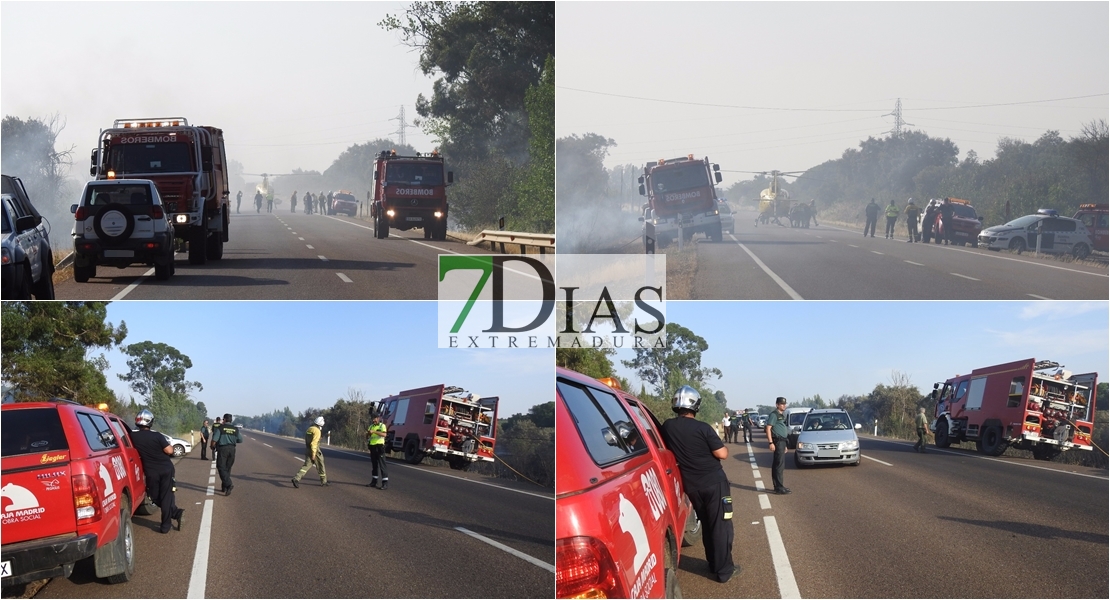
(777, 432)
(155, 451)
(313, 456)
(205, 435)
(375, 439)
(215, 426)
(699, 452)
(224, 440)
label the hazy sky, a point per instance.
(798, 349)
(292, 84)
(255, 357)
(815, 79)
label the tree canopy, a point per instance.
(155, 365)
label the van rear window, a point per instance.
(32, 430)
(606, 428)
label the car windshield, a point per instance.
(964, 211)
(414, 173)
(725, 210)
(675, 179)
(796, 418)
(1025, 221)
(7, 222)
(824, 422)
(132, 194)
(169, 157)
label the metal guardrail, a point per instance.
(66, 261)
(543, 241)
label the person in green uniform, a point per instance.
(922, 424)
(375, 440)
(224, 439)
(777, 432)
(892, 213)
(913, 213)
(313, 455)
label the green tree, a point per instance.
(46, 349)
(665, 369)
(593, 362)
(354, 168)
(157, 365)
(536, 192)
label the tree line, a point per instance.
(890, 407)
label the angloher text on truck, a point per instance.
(188, 166)
(1028, 404)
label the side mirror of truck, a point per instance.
(640, 180)
(716, 167)
(643, 192)
(718, 176)
(450, 177)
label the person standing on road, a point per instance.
(258, 202)
(224, 440)
(215, 426)
(922, 424)
(928, 222)
(155, 451)
(205, 435)
(734, 426)
(892, 213)
(946, 214)
(699, 453)
(872, 212)
(746, 422)
(321, 199)
(813, 211)
(238, 201)
(270, 202)
(726, 428)
(777, 432)
(375, 440)
(912, 214)
(313, 455)
(293, 202)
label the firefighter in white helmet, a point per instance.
(313, 455)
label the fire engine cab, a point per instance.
(410, 192)
(1028, 404)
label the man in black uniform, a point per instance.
(224, 440)
(215, 426)
(777, 431)
(872, 212)
(155, 451)
(205, 435)
(699, 452)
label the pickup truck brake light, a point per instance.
(584, 569)
(86, 499)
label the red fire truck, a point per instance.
(441, 422)
(410, 192)
(187, 164)
(680, 197)
(1028, 404)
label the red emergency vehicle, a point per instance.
(410, 192)
(680, 197)
(1094, 216)
(1027, 404)
(621, 515)
(441, 422)
(187, 164)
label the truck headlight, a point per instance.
(438, 214)
(389, 212)
(181, 218)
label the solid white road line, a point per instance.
(344, 278)
(127, 290)
(964, 276)
(788, 587)
(198, 580)
(876, 460)
(782, 284)
(500, 546)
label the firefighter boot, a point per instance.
(385, 483)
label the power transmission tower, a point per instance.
(401, 126)
(898, 122)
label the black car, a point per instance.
(28, 262)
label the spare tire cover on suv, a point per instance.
(114, 223)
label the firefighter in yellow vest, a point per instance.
(313, 455)
(375, 440)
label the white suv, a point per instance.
(120, 222)
(1059, 235)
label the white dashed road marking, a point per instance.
(876, 460)
(913, 263)
(964, 276)
(344, 278)
(514, 552)
(322, 257)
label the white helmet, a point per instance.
(686, 398)
(319, 421)
(144, 418)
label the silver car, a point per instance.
(1058, 235)
(728, 220)
(828, 436)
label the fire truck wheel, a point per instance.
(427, 233)
(941, 438)
(413, 456)
(198, 246)
(1045, 452)
(691, 534)
(670, 574)
(993, 442)
(215, 248)
(126, 541)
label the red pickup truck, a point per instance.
(71, 482)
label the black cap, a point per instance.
(780, 400)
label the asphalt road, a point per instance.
(269, 540)
(770, 262)
(285, 256)
(945, 524)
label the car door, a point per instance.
(674, 495)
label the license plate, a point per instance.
(414, 218)
(119, 253)
(6, 568)
(823, 453)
